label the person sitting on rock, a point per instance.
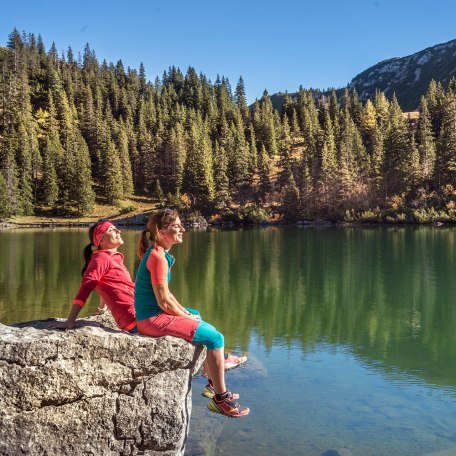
(159, 313)
(105, 272)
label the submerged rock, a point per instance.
(93, 390)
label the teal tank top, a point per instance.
(146, 305)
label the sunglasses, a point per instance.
(166, 212)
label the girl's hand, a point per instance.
(193, 317)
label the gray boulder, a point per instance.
(93, 390)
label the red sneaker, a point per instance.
(209, 391)
(228, 407)
(231, 361)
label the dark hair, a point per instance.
(157, 221)
(88, 248)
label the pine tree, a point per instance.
(238, 158)
(5, 206)
(241, 100)
(287, 106)
(333, 107)
(368, 125)
(327, 152)
(397, 158)
(121, 140)
(192, 95)
(24, 164)
(221, 182)
(253, 154)
(305, 185)
(355, 108)
(77, 195)
(426, 142)
(291, 200)
(10, 172)
(445, 163)
(264, 171)
(266, 131)
(435, 99)
(381, 105)
(285, 155)
(198, 178)
(414, 158)
(111, 174)
(52, 152)
(295, 130)
(146, 162)
(347, 175)
(158, 193)
(376, 159)
(177, 155)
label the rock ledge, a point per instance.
(93, 390)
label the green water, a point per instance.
(351, 333)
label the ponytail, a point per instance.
(88, 249)
(87, 256)
(143, 243)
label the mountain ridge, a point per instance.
(408, 77)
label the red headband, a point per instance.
(99, 231)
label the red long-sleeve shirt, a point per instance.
(107, 274)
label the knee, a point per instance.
(193, 311)
(218, 341)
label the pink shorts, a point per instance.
(168, 325)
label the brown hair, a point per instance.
(157, 221)
(88, 249)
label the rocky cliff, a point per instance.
(93, 390)
(408, 77)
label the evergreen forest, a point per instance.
(74, 131)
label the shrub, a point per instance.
(349, 216)
(127, 209)
(194, 217)
(253, 214)
(370, 216)
(401, 218)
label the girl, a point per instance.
(159, 313)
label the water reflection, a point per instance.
(388, 294)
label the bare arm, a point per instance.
(168, 303)
(97, 267)
(69, 324)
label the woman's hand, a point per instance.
(193, 317)
(69, 324)
(100, 310)
(62, 325)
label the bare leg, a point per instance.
(207, 369)
(216, 362)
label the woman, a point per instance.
(159, 313)
(105, 272)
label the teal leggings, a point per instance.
(206, 334)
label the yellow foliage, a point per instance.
(395, 202)
(185, 200)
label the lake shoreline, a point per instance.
(125, 222)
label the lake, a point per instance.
(350, 332)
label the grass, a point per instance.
(136, 205)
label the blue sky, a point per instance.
(274, 45)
